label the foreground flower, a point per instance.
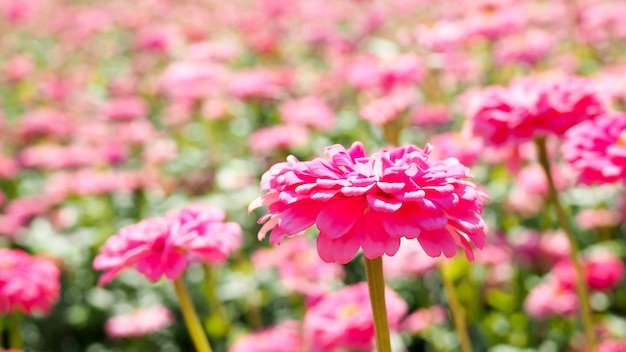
(344, 319)
(370, 203)
(597, 149)
(27, 283)
(532, 108)
(166, 245)
(283, 337)
(139, 322)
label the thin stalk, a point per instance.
(217, 310)
(376, 285)
(15, 334)
(191, 318)
(581, 285)
(458, 316)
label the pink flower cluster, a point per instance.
(166, 245)
(371, 202)
(27, 283)
(282, 337)
(531, 108)
(597, 149)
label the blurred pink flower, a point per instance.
(423, 319)
(531, 108)
(527, 47)
(554, 245)
(191, 80)
(166, 245)
(371, 202)
(44, 123)
(282, 337)
(27, 283)
(533, 179)
(268, 139)
(602, 271)
(158, 39)
(597, 149)
(308, 111)
(550, 298)
(456, 145)
(140, 322)
(9, 168)
(409, 261)
(612, 346)
(299, 267)
(125, 108)
(430, 114)
(18, 68)
(259, 83)
(601, 21)
(343, 319)
(588, 219)
(388, 107)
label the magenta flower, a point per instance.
(27, 283)
(597, 149)
(283, 337)
(140, 322)
(532, 108)
(370, 203)
(166, 245)
(344, 319)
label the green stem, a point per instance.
(217, 310)
(376, 285)
(458, 316)
(15, 335)
(191, 318)
(581, 285)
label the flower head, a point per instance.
(371, 202)
(27, 283)
(283, 337)
(597, 149)
(139, 322)
(344, 319)
(532, 108)
(166, 245)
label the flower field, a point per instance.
(313, 175)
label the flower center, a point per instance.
(621, 140)
(347, 311)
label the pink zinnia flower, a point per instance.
(597, 149)
(588, 219)
(140, 322)
(344, 319)
(283, 337)
(372, 202)
(612, 346)
(602, 272)
(125, 108)
(166, 245)
(550, 298)
(269, 139)
(532, 108)
(27, 283)
(299, 267)
(309, 111)
(423, 319)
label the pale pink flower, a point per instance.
(371, 202)
(27, 283)
(612, 346)
(588, 219)
(533, 179)
(527, 47)
(139, 322)
(494, 19)
(166, 245)
(409, 261)
(343, 319)
(531, 108)
(158, 39)
(268, 139)
(308, 111)
(44, 123)
(596, 149)
(430, 114)
(443, 35)
(125, 108)
(550, 298)
(9, 167)
(191, 80)
(282, 337)
(601, 21)
(18, 68)
(300, 268)
(554, 245)
(387, 108)
(422, 319)
(456, 145)
(258, 83)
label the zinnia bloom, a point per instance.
(166, 245)
(344, 319)
(532, 108)
(283, 337)
(597, 149)
(549, 299)
(27, 283)
(139, 322)
(370, 203)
